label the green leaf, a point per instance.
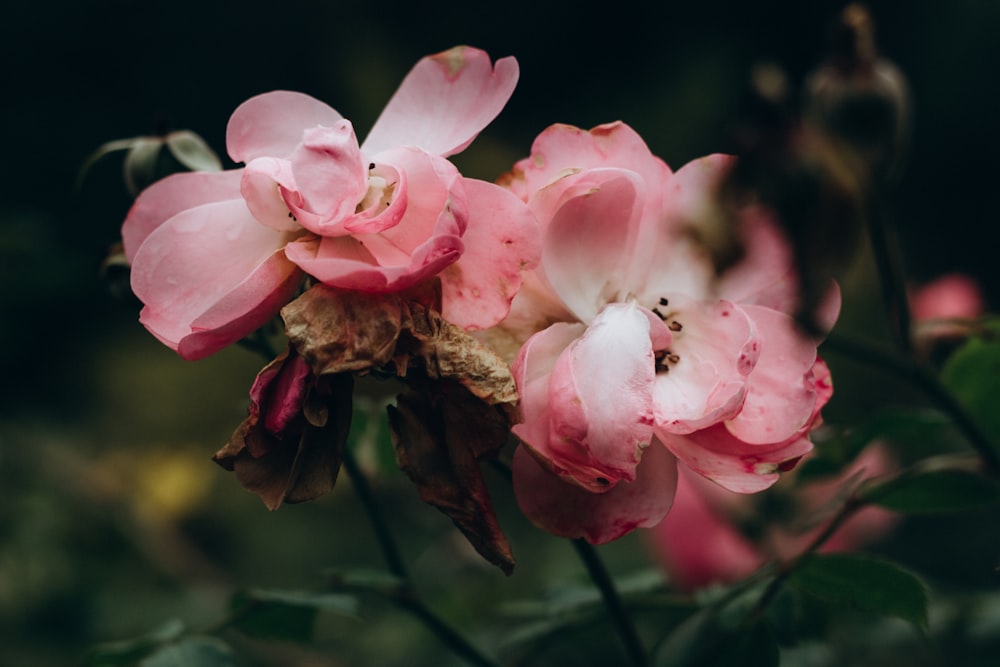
(932, 492)
(129, 651)
(193, 652)
(191, 151)
(286, 615)
(862, 582)
(708, 638)
(972, 373)
(140, 163)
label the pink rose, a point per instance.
(215, 255)
(940, 306)
(633, 355)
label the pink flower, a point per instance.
(939, 306)
(701, 541)
(641, 357)
(215, 255)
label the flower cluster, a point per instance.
(631, 352)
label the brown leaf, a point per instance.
(439, 436)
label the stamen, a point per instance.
(371, 165)
(664, 301)
(673, 358)
(656, 311)
(675, 326)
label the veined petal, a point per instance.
(211, 275)
(271, 125)
(444, 102)
(704, 375)
(587, 246)
(501, 242)
(568, 510)
(167, 197)
(780, 392)
(731, 463)
(330, 174)
(600, 400)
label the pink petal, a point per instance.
(586, 249)
(384, 204)
(330, 174)
(271, 125)
(168, 197)
(568, 510)
(600, 394)
(265, 185)
(211, 275)
(501, 242)
(716, 349)
(780, 394)
(561, 147)
(731, 463)
(444, 102)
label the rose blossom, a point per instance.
(216, 254)
(633, 355)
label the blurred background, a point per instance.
(112, 517)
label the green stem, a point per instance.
(889, 265)
(623, 622)
(407, 597)
(925, 378)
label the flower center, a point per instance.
(665, 359)
(380, 192)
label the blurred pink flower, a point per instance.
(634, 353)
(701, 541)
(954, 296)
(216, 254)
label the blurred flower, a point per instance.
(704, 540)
(640, 354)
(939, 307)
(215, 255)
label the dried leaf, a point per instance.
(439, 435)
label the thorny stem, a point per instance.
(407, 597)
(927, 380)
(623, 622)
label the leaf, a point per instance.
(129, 651)
(933, 492)
(706, 639)
(862, 582)
(191, 151)
(972, 373)
(140, 163)
(97, 155)
(286, 615)
(193, 652)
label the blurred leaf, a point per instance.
(191, 151)
(286, 615)
(707, 638)
(862, 582)
(933, 492)
(193, 652)
(371, 581)
(972, 373)
(141, 162)
(101, 152)
(129, 651)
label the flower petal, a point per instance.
(271, 125)
(330, 174)
(265, 185)
(586, 249)
(501, 242)
(731, 463)
(567, 510)
(714, 350)
(167, 197)
(600, 395)
(209, 276)
(444, 102)
(780, 392)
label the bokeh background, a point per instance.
(112, 517)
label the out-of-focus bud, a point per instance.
(148, 159)
(860, 98)
(945, 312)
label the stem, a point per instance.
(927, 380)
(890, 270)
(407, 597)
(851, 505)
(623, 622)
